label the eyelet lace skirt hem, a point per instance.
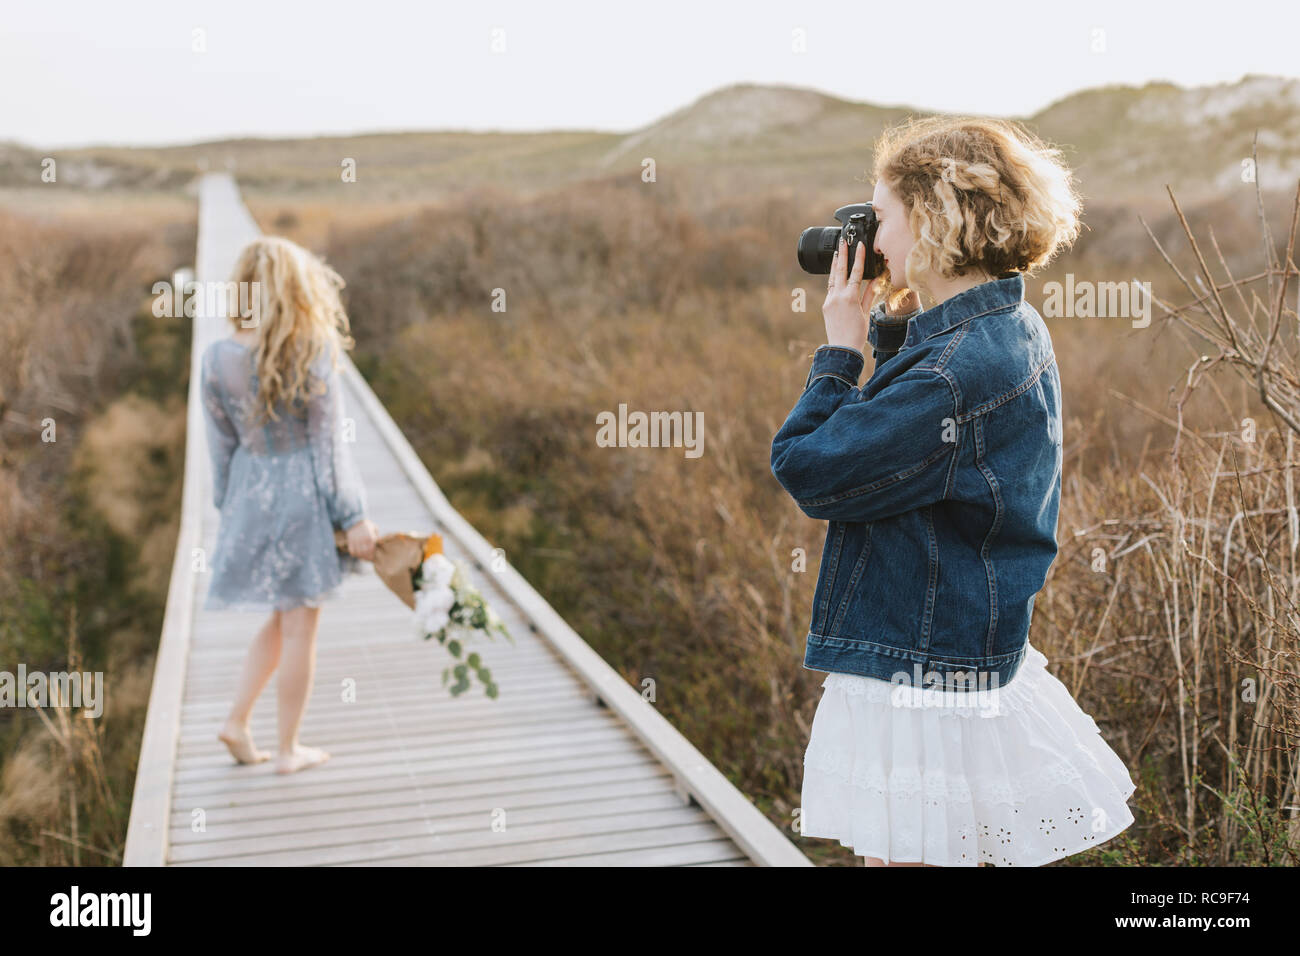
(1018, 776)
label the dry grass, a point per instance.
(91, 434)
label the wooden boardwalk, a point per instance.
(569, 766)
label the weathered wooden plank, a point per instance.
(480, 847)
(375, 691)
(343, 656)
(427, 819)
(703, 853)
(359, 734)
(409, 747)
(558, 848)
(328, 711)
(342, 727)
(262, 778)
(449, 798)
(738, 861)
(524, 774)
(351, 735)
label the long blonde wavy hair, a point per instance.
(980, 193)
(301, 316)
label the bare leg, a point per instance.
(297, 668)
(263, 656)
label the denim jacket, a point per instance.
(941, 480)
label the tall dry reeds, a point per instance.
(1174, 598)
(91, 441)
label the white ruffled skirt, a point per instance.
(1014, 776)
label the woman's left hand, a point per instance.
(362, 537)
(846, 319)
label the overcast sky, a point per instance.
(89, 71)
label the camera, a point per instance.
(817, 243)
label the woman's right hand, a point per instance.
(361, 539)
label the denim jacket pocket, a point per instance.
(851, 585)
(826, 575)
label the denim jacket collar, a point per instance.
(890, 333)
(1006, 290)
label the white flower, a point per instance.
(436, 572)
(432, 609)
(434, 598)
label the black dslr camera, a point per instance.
(817, 243)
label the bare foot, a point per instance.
(239, 740)
(301, 758)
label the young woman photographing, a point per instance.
(940, 737)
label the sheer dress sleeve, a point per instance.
(336, 472)
(222, 435)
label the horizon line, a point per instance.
(228, 138)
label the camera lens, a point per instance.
(817, 249)
(817, 243)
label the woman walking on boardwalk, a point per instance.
(283, 479)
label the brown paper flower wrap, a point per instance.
(398, 561)
(397, 555)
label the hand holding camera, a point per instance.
(852, 290)
(846, 296)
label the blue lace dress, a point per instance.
(282, 488)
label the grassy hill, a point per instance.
(1125, 142)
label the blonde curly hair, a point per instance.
(301, 316)
(980, 193)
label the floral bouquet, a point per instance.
(446, 605)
